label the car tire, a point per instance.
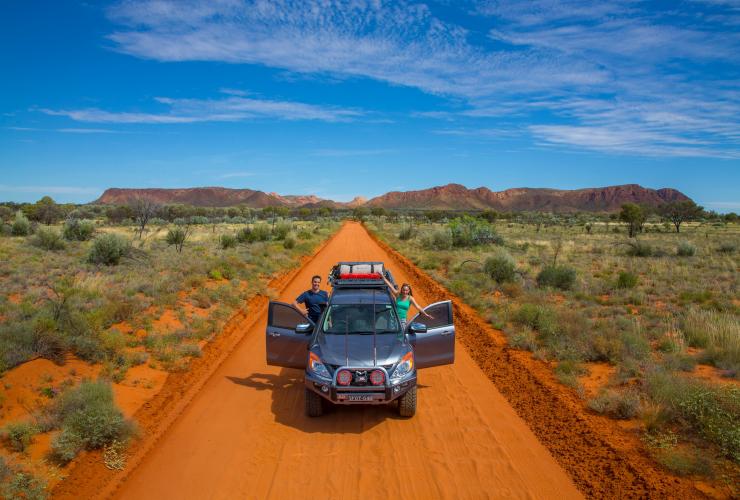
(407, 403)
(314, 404)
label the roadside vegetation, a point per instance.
(119, 288)
(640, 320)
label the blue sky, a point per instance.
(354, 98)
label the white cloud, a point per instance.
(232, 108)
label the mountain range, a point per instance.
(448, 197)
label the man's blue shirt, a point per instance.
(314, 302)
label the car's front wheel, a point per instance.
(314, 404)
(407, 403)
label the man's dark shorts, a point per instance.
(314, 302)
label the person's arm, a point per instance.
(394, 291)
(413, 301)
(301, 300)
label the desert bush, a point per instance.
(21, 225)
(261, 232)
(718, 333)
(711, 411)
(88, 418)
(78, 230)
(683, 462)
(109, 249)
(540, 318)
(685, 249)
(288, 243)
(407, 233)
(21, 484)
(468, 231)
(304, 235)
(567, 372)
(616, 404)
(48, 239)
(439, 239)
(562, 277)
(281, 230)
(19, 434)
(246, 235)
(626, 279)
(727, 248)
(500, 267)
(640, 249)
(227, 241)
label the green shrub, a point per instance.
(246, 235)
(227, 241)
(88, 418)
(711, 411)
(683, 462)
(21, 225)
(440, 239)
(626, 279)
(78, 230)
(562, 277)
(685, 249)
(20, 434)
(48, 239)
(615, 404)
(500, 267)
(23, 485)
(468, 231)
(640, 249)
(727, 248)
(109, 249)
(304, 235)
(540, 318)
(288, 243)
(261, 232)
(407, 233)
(281, 230)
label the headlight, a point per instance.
(405, 367)
(317, 367)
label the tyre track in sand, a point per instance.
(244, 435)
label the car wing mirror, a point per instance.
(304, 328)
(417, 328)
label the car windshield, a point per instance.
(357, 319)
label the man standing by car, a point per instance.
(314, 299)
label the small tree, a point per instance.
(144, 211)
(634, 216)
(679, 212)
(178, 236)
(46, 211)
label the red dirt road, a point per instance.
(245, 434)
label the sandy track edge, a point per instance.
(88, 476)
(587, 446)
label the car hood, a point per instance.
(390, 348)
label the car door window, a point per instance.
(285, 316)
(441, 315)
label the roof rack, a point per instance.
(359, 275)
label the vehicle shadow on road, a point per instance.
(288, 405)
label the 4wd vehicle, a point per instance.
(358, 353)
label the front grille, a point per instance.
(361, 376)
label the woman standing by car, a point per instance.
(404, 299)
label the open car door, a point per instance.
(286, 347)
(437, 345)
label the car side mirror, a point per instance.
(417, 328)
(304, 328)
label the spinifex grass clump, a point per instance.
(227, 241)
(109, 249)
(21, 225)
(627, 279)
(718, 333)
(88, 418)
(685, 249)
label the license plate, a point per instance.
(359, 397)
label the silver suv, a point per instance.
(358, 353)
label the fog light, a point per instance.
(324, 388)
